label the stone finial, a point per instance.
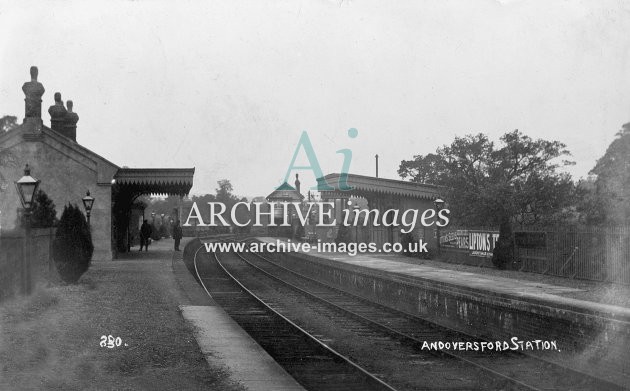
(70, 125)
(33, 90)
(57, 114)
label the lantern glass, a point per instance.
(439, 203)
(88, 202)
(27, 187)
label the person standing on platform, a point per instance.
(145, 234)
(177, 234)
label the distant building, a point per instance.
(376, 194)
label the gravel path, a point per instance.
(50, 341)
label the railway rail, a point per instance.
(313, 364)
(403, 332)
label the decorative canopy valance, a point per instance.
(168, 181)
(363, 185)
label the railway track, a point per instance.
(502, 370)
(422, 367)
(313, 364)
(284, 290)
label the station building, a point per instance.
(380, 194)
(68, 170)
(365, 193)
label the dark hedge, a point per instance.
(72, 247)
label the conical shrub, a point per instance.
(72, 247)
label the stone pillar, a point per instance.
(70, 124)
(33, 91)
(57, 115)
(343, 205)
(179, 212)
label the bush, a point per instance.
(406, 240)
(299, 232)
(155, 233)
(429, 254)
(72, 247)
(163, 231)
(44, 214)
(504, 249)
(343, 235)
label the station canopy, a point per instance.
(368, 187)
(285, 193)
(161, 181)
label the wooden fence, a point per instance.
(589, 253)
(600, 254)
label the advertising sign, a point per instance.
(482, 243)
(455, 239)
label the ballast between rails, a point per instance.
(289, 322)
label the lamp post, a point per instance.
(439, 204)
(26, 187)
(88, 201)
(356, 220)
(162, 227)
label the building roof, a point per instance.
(170, 181)
(362, 185)
(286, 193)
(45, 130)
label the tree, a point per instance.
(224, 193)
(72, 246)
(7, 123)
(485, 184)
(343, 234)
(608, 201)
(43, 214)
(163, 205)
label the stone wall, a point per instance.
(11, 259)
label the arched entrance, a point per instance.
(131, 183)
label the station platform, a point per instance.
(592, 331)
(224, 343)
(585, 297)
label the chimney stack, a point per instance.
(33, 91)
(58, 115)
(297, 183)
(70, 124)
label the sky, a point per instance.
(229, 86)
